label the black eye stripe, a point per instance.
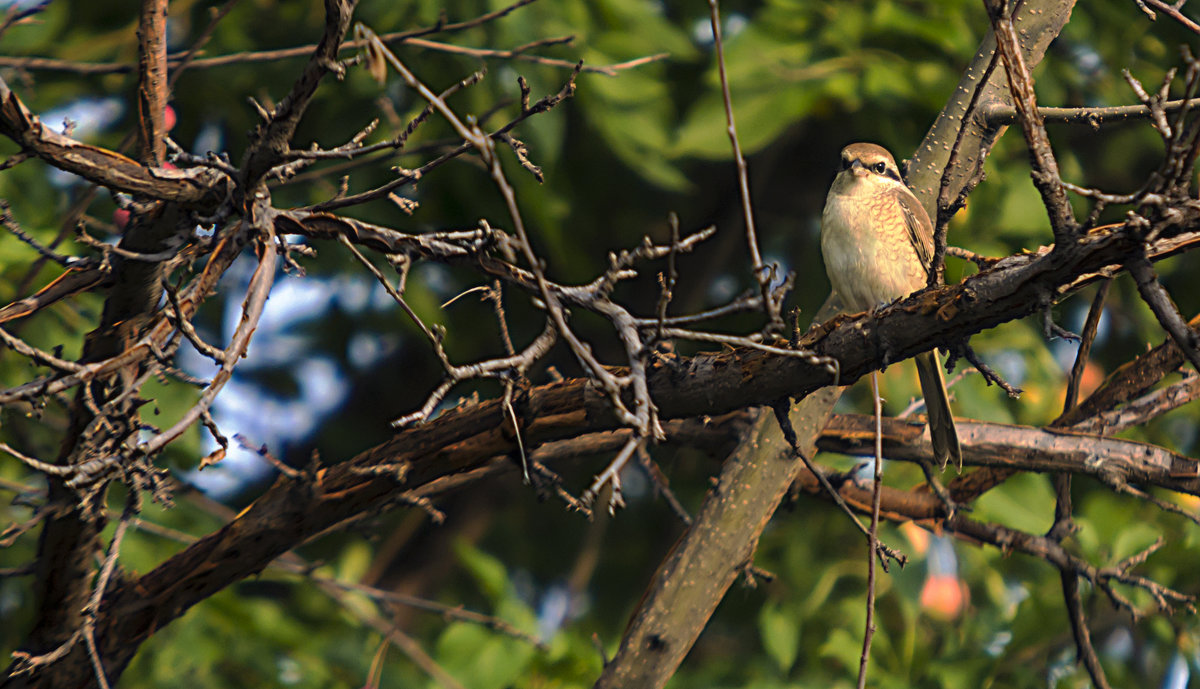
(882, 168)
(879, 167)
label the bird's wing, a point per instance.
(920, 229)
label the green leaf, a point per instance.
(355, 561)
(842, 647)
(481, 659)
(488, 571)
(1025, 502)
(780, 632)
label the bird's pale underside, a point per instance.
(877, 242)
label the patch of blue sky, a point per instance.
(89, 117)
(260, 415)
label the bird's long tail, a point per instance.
(942, 433)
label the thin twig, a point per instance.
(661, 486)
(612, 476)
(1085, 345)
(1083, 637)
(667, 281)
(762, 273)
(16, 14)
(945, 207)
(789, 434)
(1156, 297)
(1000, 114)
(253, 57)
(1045, 168)
(215, 17)
(1173, 12)
(873, 534)
(252, 308)
(9, 223)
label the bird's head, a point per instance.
(866, 168)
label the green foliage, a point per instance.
(780, 635)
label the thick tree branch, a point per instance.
(1038, 23)
(720, 543)
(292, 511)
(200, 188)
(1023, 448)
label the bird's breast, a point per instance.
(869, 256)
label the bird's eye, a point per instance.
(845, 164)
(880, 167)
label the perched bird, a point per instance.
(877, 241)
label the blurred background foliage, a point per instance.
(334, 361)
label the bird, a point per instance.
(877, 242)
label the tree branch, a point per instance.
(199, 188)
(152, 91)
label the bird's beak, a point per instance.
(858, 169)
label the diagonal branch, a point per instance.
(256, 299)
(272, 141)
(1164, 309)
(1045, 168)
(764, 274)
(1130, 381)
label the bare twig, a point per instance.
(252, 308)
(946, 208)
(999, 114)
(502, 368)
(611, 476)
(186, 60)
(1095, 311)
(662, 486)
(33, 353)
(789, 435)
(1173, 12)
(828, 363)
(298, 566)
(667, 281)
(263, 452)
(1045, 168)
(468, 143)
(989, 374)
(402, 37)
(394, 294)
(1156, 297)
(70, 262)
(764, 274)
(873, 533)
(17, 14)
